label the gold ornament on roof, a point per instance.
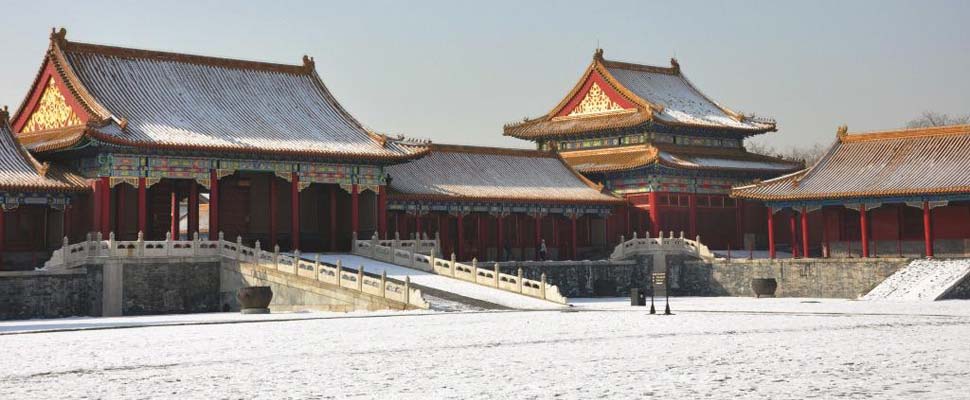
(595, 102)
(52, 111)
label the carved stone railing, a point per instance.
(491, 277)
(95, 251)
(672, 246)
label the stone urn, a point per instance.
(255, 299)
(764, 286)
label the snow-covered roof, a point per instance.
(910, 162)
(19, 171)
(658, 94)
(683, 157)
(158, 99)
(485, 173)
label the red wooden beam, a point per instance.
(927, 229)
(272, 210)
(355, 209)
(864, 227)
(655, 227)
(804, 232)
(142, 206)
(771, 233)
(214, 205)
(794, 237)
(295, 211)
(96, 194)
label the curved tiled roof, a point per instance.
(909, 162)
(492, 174)
(632, 157)
(179, 101)
(660, 94)
(19, 171)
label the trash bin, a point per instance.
(638, 297)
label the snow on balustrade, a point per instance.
(671, 245)
(400, 252)
(96, 250)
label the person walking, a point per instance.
(542, 250)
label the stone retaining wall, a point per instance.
(30, 294)
(586, 278)
(833, 278)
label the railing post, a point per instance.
(195, 243)
(141, 244)
(496, 275)
(353, 242)
(168, 243)
(384, 284)
(239, 248)
(111, 243)
(340, 271)
(276, 257)
(453, 264)
(296, 262)
(407, 290)
(316, 267)
(542, 285)
(475, 269)
(360, 278)
(519, 281)
(259, 253)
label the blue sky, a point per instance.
(456, 72)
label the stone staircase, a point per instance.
(922, 280)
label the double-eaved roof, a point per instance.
(21, 172)
(468, 173)
(161, 100)
(615, 159)
(903, 163)
(621, 95)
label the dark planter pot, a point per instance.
(764, 286)
(255, 299)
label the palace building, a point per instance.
(895, 193)
(276, 155)
(649, 135)
(35, 198)
(494, 203)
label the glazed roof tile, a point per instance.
(484, 173)
(170, 100)
(660, 94)
(879, 164)
(19, 171)
(631, 157)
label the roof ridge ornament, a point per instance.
(4, 114)
(675, 65)
(309, 65)
(842, 132)
(59, 35)
(598, 54)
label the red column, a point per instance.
(825, 233)
(214, 205)
(105, 206)
(499, 242)
(572, 250)
(96, 194)
(355, 209)
(655, 227)
(333, 217)
(461, 238)
(804, 232)
(382, 211)
(794, 234)
(927, 229)
(119, 192)
(193, 208)
(295, 211)
(864, 227)
(692, 210)
(174, 214)
(771, 233)
(538, 234)
(519, 242)
(143, 206)
(481, 237)
(272, 211)
(555, 234)
(739, 218)
(418, 229)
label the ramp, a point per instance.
(922, 280)
(443, 293)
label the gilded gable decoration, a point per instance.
(52, 111)
(595, 102)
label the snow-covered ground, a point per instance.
(460, 287)
(925, 280)
(711, 348)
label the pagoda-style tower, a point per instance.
(648, 134)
